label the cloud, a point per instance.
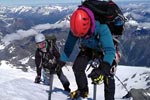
(133, 23)
(59, 24)
(145, 25)
(42, 27)
(20, 34)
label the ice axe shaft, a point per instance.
(94, 91)
(50, 86)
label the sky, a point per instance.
(34, 2)
(18, 85)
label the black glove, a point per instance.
(59, 65)
(97, 74)
(37, 79)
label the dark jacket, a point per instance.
(46, 59)
(105, 41)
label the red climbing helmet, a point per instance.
(80, 22)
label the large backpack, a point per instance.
(107, 12)
(53, 45)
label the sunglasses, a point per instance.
(41, 45)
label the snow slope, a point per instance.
(18, 85)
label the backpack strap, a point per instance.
(53, 49)
(51, 44)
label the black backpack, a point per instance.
(51, 39)
(107, 12)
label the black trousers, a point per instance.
(63, 79)
(79, 67)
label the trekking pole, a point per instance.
(128, 92)
(50, 86)
(94, 91)
(122, 84)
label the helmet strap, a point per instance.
(46, 44)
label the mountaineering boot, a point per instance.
(84, 94)
(76, 94)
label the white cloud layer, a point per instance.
(20, 34)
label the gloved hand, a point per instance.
(114, 67)
(37, 79)
(105, 67)
(97, 74)
(59, 66)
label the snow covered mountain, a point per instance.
(18, 85)
(38, 14)
(19, 24)
(135, 41)
(24, 17)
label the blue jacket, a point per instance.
(105, 39)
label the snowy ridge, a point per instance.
(18, 85)
(132, 77)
